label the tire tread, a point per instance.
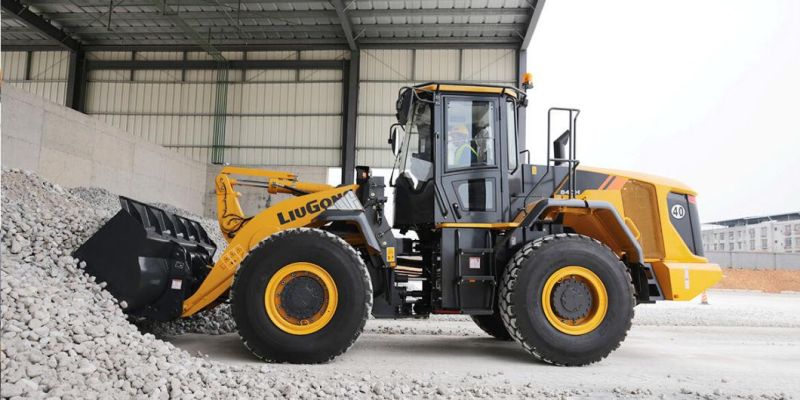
(507, 309)
(324, 235)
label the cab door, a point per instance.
(469, 160)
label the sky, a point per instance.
(705, 92)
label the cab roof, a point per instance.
(462, 87)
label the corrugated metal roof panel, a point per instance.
(242, 23)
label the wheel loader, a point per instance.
(554, 256)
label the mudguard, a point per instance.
(629, 244)
(357, 217)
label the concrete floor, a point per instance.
(672, 359)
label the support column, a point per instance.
(350, 117)
(28, 61)
(220, 114)
(522, 66)
(76, 81)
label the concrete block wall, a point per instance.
(755, 260)
(73, 149)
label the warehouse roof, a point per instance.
(266, 24)
(794, 216)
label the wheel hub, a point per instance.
(574, 300)
(571, 299)
(302, 297)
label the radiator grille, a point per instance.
(641, 205)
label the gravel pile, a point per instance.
(216, 321)
(63, 336)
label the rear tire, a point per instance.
(322, 301)
(581, 279)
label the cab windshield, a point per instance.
(416, 152)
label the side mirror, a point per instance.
(403, 105)
(393, 137)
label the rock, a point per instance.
(8, 390)
(16, 246)
(378, 389)
(35, 370)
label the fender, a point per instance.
(369, 219)
(359, 218)
(589, 216)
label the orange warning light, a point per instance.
(527, 80)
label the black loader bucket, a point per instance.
(151, 259)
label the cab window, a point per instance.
(475, 194)
(470, 128)
(417, 149)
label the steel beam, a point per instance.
(272, 45)
(188, 30)
(220, 109)
(208, 64)
(509, 42)
(19, 45)
(207, 3)
(28, 62)
(344, 21)
(176, 3)
(306, 44)
(150, 31)
(455, 42)
(537, 12)
(40, 25)
(69, 19)
(450, 44)
(350, 117)
(76, 81)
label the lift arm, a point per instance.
(229, 212)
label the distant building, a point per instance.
(770, 234)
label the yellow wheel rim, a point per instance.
(275, 295)
(588, 320)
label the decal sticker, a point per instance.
(678, 211)
(474, 263)
(686, 278)
(311, 208)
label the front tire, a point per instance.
(567, 299)
(301, 296)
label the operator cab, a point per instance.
(457, 157)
